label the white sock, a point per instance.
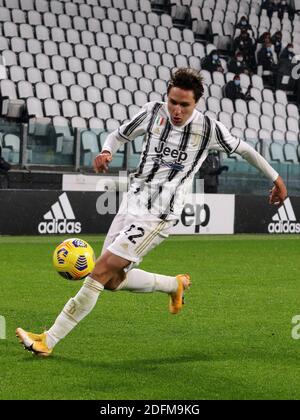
(140, 281)
(74, 311)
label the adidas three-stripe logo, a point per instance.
(57, 219)
(61, 209)
(284, 221)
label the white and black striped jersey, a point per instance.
(171, 155)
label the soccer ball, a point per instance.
(74, 259)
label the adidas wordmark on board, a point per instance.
(60, 219)
(284, 221)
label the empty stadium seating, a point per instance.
(92, 63)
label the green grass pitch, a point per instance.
(231, 341)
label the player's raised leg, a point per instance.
(140, 281)
(107, 267)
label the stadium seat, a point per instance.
(57, 35)
(145, 85)
(10, 58)
(290, 153)
(18, 45)
(253, 121)
(226, 119)
(245, 81)
(51, 107)
(51, 77)
(292, 111)
(227, 105)
(213, 104)
(103, 110)
(50, 48)
(69, 108)
(251, 134)
(60, 92)
(34, 46)
(42, 61)
(86, 110)
(216, 91)
(25, 89)
(34, 107)
(293, 124)
(281, 97)
(280, 123)
(90, 147)
(79, 23)
(276, 152)
(93, 94)
(241, 106)
(119, 112)
(34, 75)
(254, 107)
(65, 138)
(237, 132)
(42, 91)
(239, 120)
(140, 98)
(96, 124)
(268, 96)
(11, 143)
(278, 136)
(291, 137)
(218, 78)
(96, 52)
(76, 93)
(17, 73)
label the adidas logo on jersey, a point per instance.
(60, 219)
(284, 221)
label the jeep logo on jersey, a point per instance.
(284, 221)
(175, 154)
(60, 219)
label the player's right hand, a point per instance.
(101, 162)
(278, 193)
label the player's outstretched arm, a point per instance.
(278, 193)
(101, 162)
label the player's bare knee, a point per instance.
(111, 285)
(115, 282)
(101, 272)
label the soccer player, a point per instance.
(177, 141)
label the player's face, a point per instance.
(181, 105)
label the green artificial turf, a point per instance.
(231, 341)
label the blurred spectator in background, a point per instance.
(234, 91)
(238, 65)
(277, 42)
(285, 67)
(272, 7)
(244, 24)
(210, 171)
(4, 168)
(265, 4)
(287, 53)
(212, 62)
(246, 46)
(283, 7)
(265, 37)
(266, 59)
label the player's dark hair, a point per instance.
(187, 79)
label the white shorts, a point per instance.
(132, 237)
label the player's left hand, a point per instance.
(278, 193)
(101, 162)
